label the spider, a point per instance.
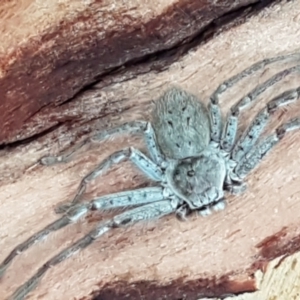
(194, 157)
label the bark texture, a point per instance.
(70, 67)
(51, 51)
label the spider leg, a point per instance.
(147, 212)
(130, 198)
(250, 136)
(127, 128)
(208, 210)
(235, 187)
(230, 127)
(214, 109)
(256, 154)
(147, 166)
(122, 199)
(220, 205)
(215, 120)
(72, 216)
(253, 132)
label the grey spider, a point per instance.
(194, 158)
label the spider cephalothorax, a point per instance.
(194, 157)
(199, 180)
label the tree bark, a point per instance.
(95, 66)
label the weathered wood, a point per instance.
(51, 51)
(167, 258)
(279, 280)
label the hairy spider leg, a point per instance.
(146, 212)
(250, 136)
(145, 164)
(135, 127)
(121, 199)
(256, 154)
(218, 206)
(230, 127)
(214, 108)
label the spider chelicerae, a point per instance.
(193, 156)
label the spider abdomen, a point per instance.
(181, 124)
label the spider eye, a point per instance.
(191, 173)
(176, 173)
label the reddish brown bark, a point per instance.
(46, 59)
